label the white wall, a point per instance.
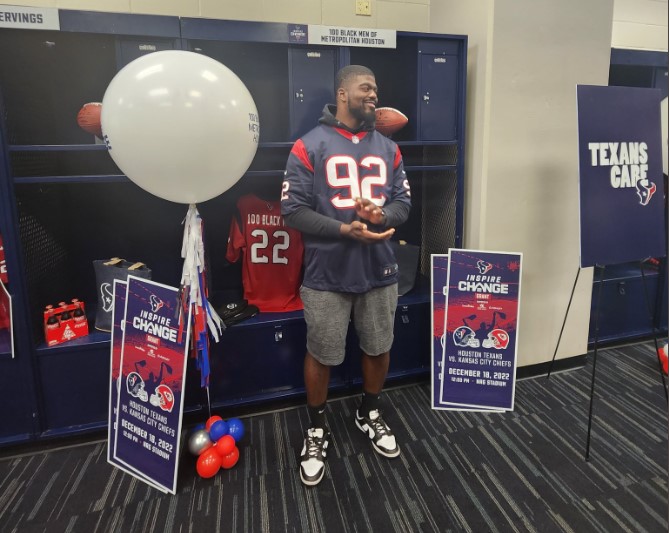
(527, 56)
(640, 24)
(389, 14)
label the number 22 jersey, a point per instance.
(271, 252)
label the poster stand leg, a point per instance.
(594, 357)
(571, 297)
(652, 322)
(208, 402)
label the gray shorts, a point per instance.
(328, 314)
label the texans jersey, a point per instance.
(272, 255)
(326, 170)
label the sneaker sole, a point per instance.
(365, 430)
(312, 482)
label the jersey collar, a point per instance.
(352, 136)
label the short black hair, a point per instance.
(348, 72)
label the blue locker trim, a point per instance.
(275, 145)
(233, 30)
(427, 143)
(57, 148)
(410, 168)
(268, 319)
(419, 35)
(120, 23)
(438, 47)
(102, 147)
(25, 416)
(93, 339)
(126, 54)
(648, 58)
(461, 127)
(113, 178)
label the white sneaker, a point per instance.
(313, 456)
(378, 432)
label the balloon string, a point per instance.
(195, 293)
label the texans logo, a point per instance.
(106, 297)
(483, 266)
(645, 192)
(156, 303)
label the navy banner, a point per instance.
(118, 318)
(439, 279)
(478, 366)
(151, 385)
(620, 174)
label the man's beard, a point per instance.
(363, 114)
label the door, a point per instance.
(437, 97)
(312, 74)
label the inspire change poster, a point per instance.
(439, 274)
(620, 174)
(478, 365)
(116, 348)
(151, 377)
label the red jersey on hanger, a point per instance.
(271, 253)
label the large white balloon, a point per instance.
(180, 125)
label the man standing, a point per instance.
(345, 189)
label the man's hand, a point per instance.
(358, 231)
(368, 210)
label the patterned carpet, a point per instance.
(519, 471)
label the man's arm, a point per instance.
(306, 220)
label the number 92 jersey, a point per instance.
(326, 171)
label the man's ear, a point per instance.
(341, 94)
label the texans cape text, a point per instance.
(628, 161)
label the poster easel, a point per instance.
(622, 207)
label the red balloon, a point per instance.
(231, 459)
(88, 118)
(208, 463)
(225, 445)
(211, 420)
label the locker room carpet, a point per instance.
(518, 471)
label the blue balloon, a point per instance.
(218, 429)
(198, 427)
(236, 429)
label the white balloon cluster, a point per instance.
(180, 125)
(185, 128)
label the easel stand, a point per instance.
(566, 314)
(601, 269)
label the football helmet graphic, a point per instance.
(497, 338)
(135, 385)
(163, 397)
(465, 336)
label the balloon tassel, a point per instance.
(194, 293)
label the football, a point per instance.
(389, 120)
(88, 118)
